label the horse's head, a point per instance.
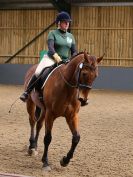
(89, 70)
(82, 71)
(88, 73)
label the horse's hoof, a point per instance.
(32, 152)
(46, 169)
(62, 163)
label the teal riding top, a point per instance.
(62, 43)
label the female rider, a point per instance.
(61, 45)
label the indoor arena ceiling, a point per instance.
(68, 1)
(46, 4)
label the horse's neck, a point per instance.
(70, 72)
(72, 65)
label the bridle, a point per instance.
(78, 84)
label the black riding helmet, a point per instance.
(63, 16)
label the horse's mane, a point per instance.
(76, 55)
(91, 57)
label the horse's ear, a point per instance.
(86, 55)
(100, 58)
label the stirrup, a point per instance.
(24, 97)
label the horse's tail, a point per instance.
(37, 113)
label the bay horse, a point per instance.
(60, 98)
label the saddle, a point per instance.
(43, 76)
(45, 73)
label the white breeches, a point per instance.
(45, 62)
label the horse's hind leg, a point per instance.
(31, 111)
(39, 125)
(73, 125)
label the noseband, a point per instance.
(78, 84)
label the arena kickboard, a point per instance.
(12, 175)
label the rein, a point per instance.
(77, 85)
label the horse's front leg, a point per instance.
(73, 125)
(47, 140)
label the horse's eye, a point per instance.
(92, 68)
(84, 73)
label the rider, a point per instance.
(61, 45)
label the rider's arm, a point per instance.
(73, 50)
(51, 47)
(52, 51)
(73, 47)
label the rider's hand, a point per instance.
(57, 58)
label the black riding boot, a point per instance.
(30, 87)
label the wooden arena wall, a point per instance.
(105, 29)
(96, 29)
(17, 28)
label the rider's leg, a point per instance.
(45, 62)
(30, 87)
